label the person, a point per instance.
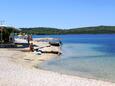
(29, 38)
(31, 47)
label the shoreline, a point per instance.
(23, 63)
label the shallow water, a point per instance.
(91, 56)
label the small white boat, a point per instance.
(20, 41)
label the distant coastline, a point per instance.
(82, 30)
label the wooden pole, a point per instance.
(1, 23)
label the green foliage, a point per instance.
(6, 31)
(84, 30)
(41, 30)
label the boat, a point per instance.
(20, 41)
(55, 43)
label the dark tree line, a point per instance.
(84, 30)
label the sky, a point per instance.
(62, 14)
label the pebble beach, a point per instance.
(17, 69)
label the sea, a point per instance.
(84, 55)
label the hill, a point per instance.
(83, 30)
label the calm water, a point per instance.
(91, 56)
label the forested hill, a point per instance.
(83, 30)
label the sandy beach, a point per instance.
(18, 69)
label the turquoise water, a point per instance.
(91, 56)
